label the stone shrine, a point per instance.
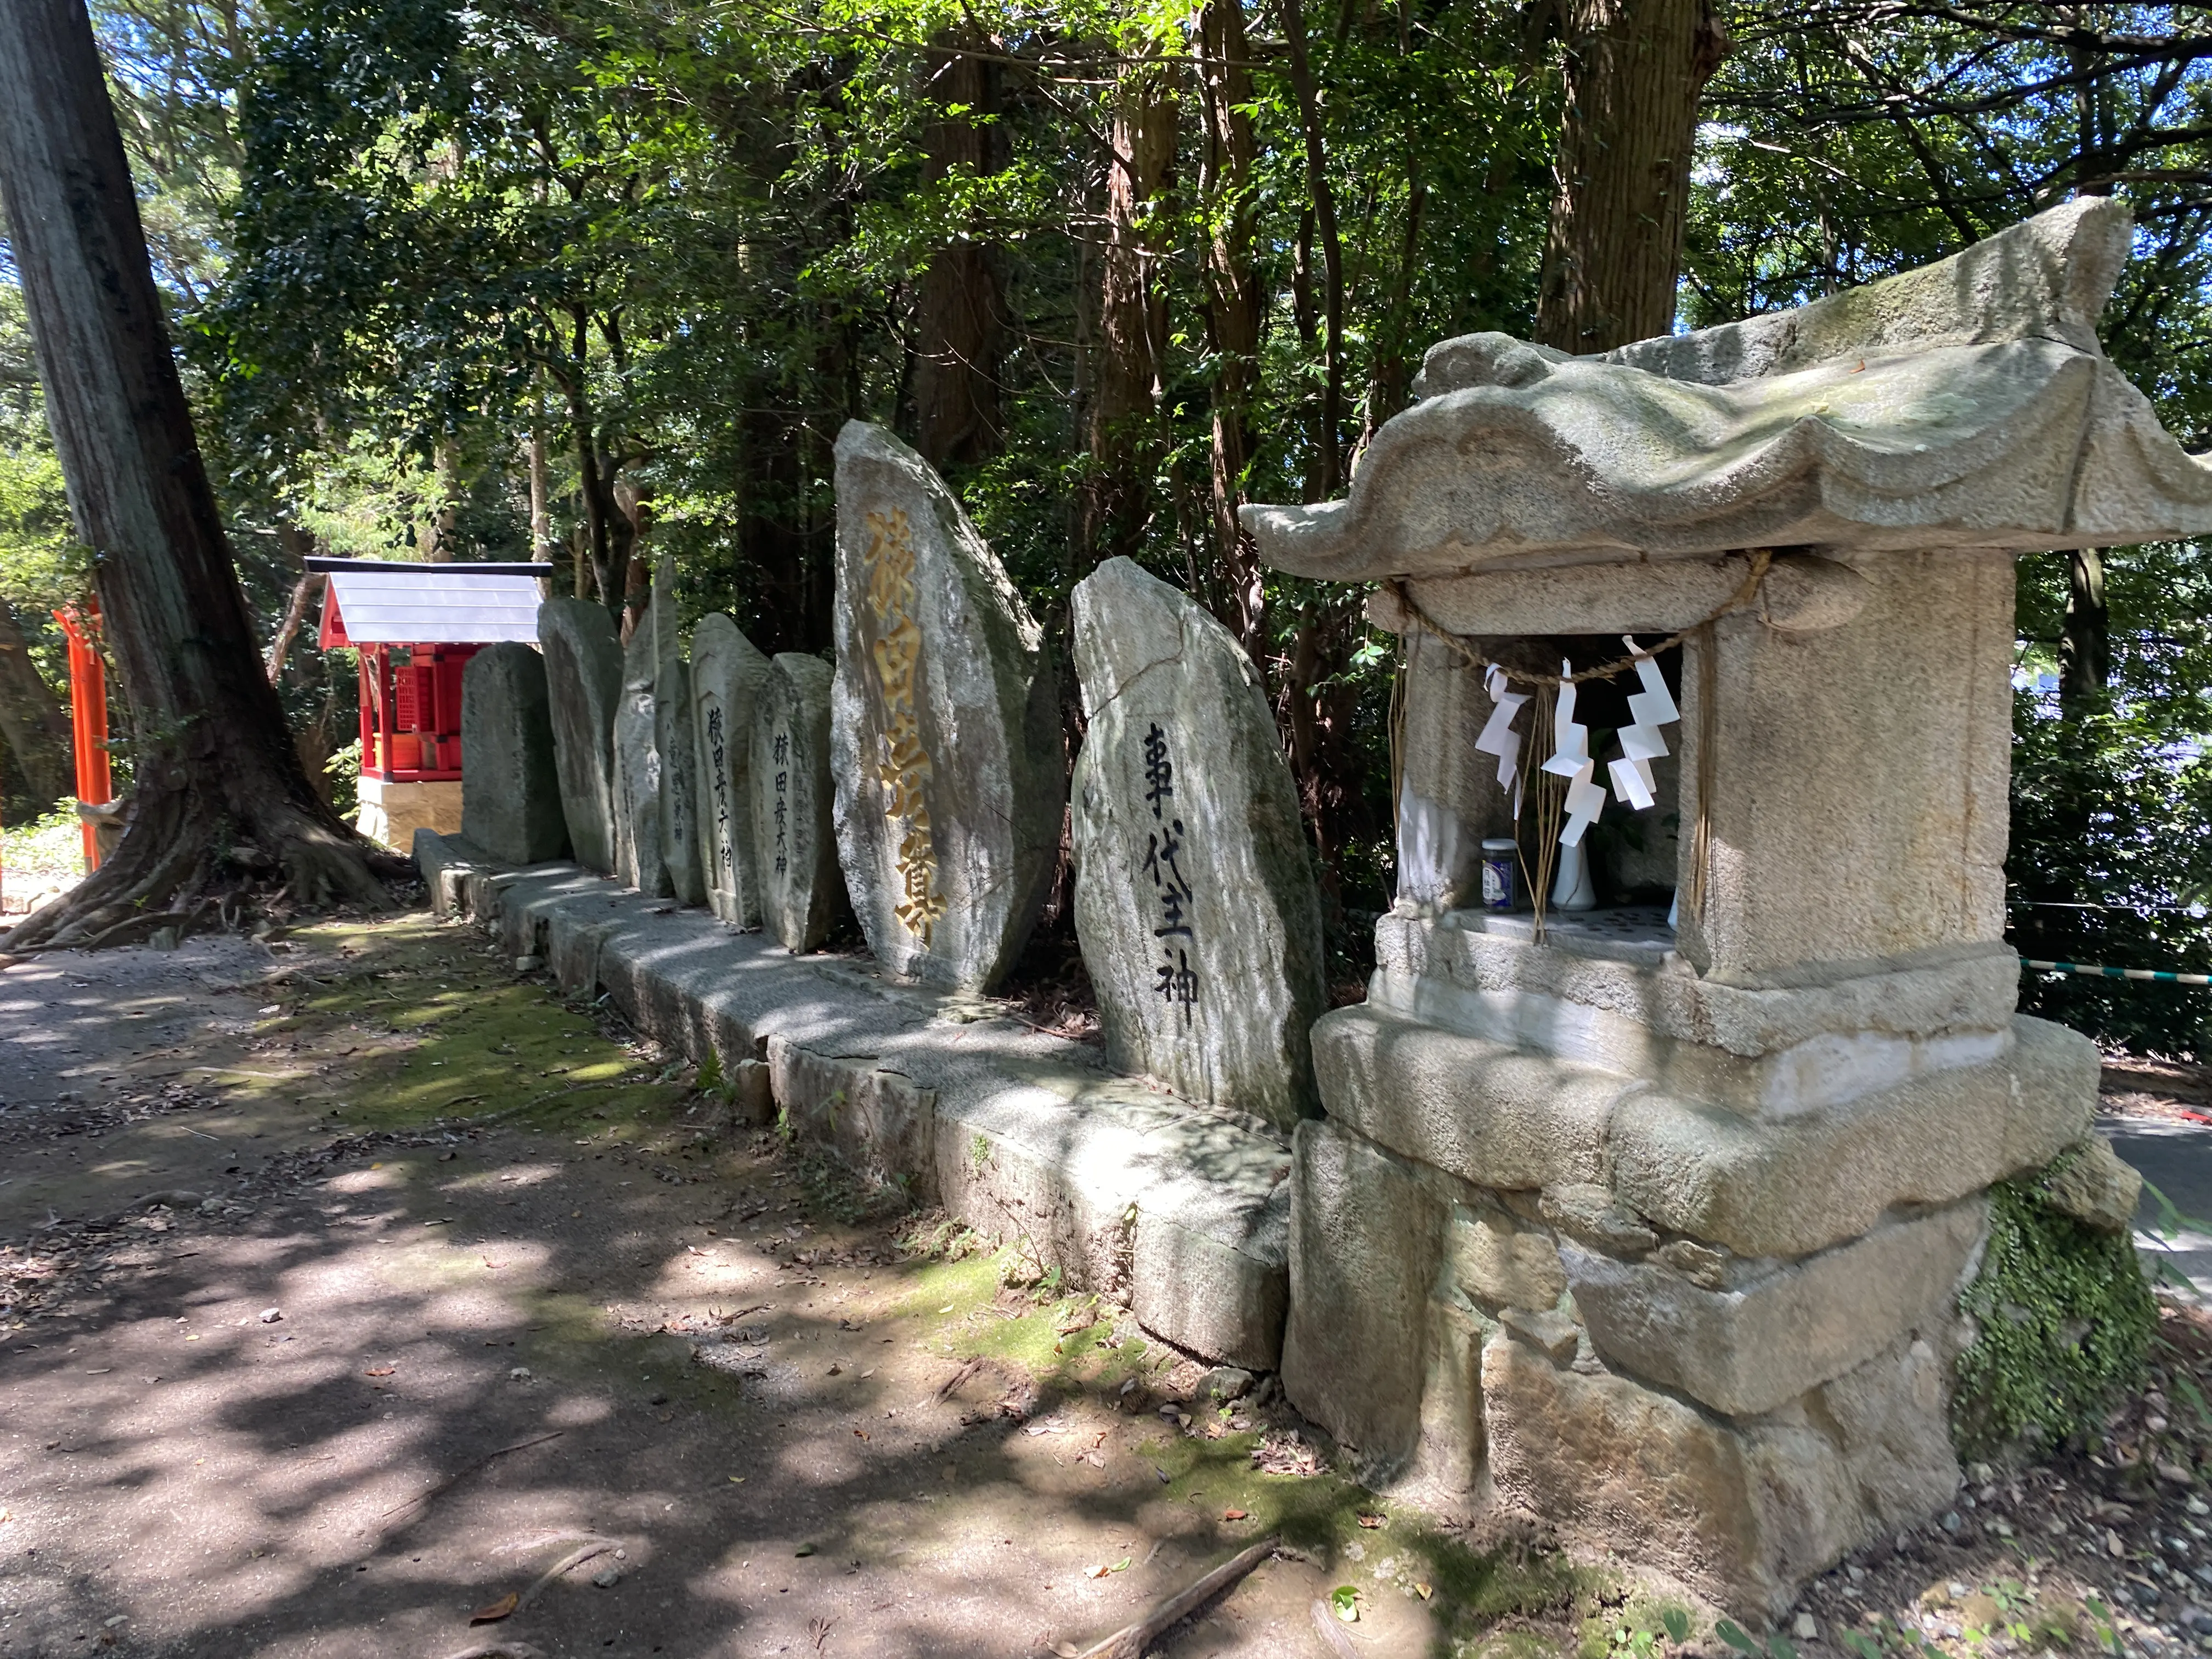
(511, 801)
(673, 742)
(726, 672)
(1194, 894)
(795, 847)
(583, 682)
(944, 727)
(639, 861)
(1656, 1229)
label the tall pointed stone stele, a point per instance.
(638, 860)
(583, 682)
(945, 729)
(1194, 895)
(802, 893)
(673, 740)
(511, 807)
(727, 671)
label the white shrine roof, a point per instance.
(1965, 405)
(405, 604)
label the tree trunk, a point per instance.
(958, 315)
(2085, 657)
(1234, 306)
(32, 718)
(1634, 70)
(542, 547)
(300, 544)
(219, 784)
(1326, 477)
(1132, 318)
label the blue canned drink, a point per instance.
(1500, 863)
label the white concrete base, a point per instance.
(393, 812)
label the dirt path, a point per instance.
(447, 1285)
(371, 1365)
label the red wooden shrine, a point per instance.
(411, 688)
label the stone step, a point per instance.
(1181, 1209)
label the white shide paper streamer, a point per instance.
(1640, 743)
(1570, 759)
(1499, 738)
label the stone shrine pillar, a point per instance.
(1656, 1228)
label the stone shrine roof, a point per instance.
(1965, 405)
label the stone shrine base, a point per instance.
(1672, 1264)
(392, 812)
(1180, 1210)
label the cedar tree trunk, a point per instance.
(958, 315)
(1634, 70)
(1132, 316)
(1234, 306)
(219, 785)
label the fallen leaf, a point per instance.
(380, 1370)
(1424, 1591)
(497, 1611)
(736, 1481)
(1344, 1601)
(863, 1433)
(1121, 1565)
(1235, 1515)
(1370, 1522)
(1096, 1572)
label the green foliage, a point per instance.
(2062, 1323)
(52, 845)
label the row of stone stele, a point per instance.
(921, 784)
(1662, 1231)
(1657, 1231)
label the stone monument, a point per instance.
(1194, 895)
(673, 740)
(637, 778)
(583, 682)
(1657, 1230)
(726, 672)
(944, 727)
(795, 845)
(511, 794)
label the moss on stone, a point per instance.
(2062, 1323)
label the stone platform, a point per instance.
(1182, 1211)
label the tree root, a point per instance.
(179, 844)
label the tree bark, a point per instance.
(218, 775)
(1326, 476)
(32, 718)
(300, 544)
(959, 312)
(1235, 306)
(1132, 317)
(2085, 657)
(1621, 191)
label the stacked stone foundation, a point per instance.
(1711, 1331)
